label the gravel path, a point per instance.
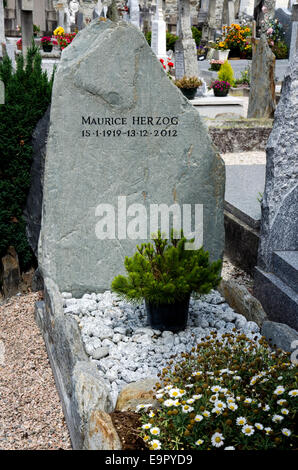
(30, 410)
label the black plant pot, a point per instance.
(190, 93)
(170, 317)
(47, 47)
(220, 93)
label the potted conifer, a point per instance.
(165, 274)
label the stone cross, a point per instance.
(294, 37)
(27, 24)
(186, 59)
(158, 37)
(262, 101)
(61, 6)
(2, 29)
(134, 12)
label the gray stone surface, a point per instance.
(34, 200)
(185, 47)
(279, 225)
(283, 15)
(262, 87)
(2, 92)
(244, 183)
(280, 335)
(83, 172)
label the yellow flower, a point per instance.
(59, 31)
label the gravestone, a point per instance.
(2, 29)
(2, 92)
(127, 132)
(283, 15)
(294, 35)
(262, 87)
(27, 24)
(158, 36)
(186, 59)
(134, 12)
(276, 278)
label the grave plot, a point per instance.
(119, 129)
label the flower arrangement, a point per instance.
(236, 38)
(64, 39)
(59, 31)
(168, 65)
(220, 87)
(48, 41)
(219, 45)
(230, 392)
(188, 82)
(215, 64)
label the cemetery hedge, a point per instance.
(27, 96)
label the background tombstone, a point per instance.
(2, 29)
(186, 58)
(294, 35)
(87, 8)
(60, 6)
(158, 37)
(134, 12)
(2, 93)
(27, 24)
(283, 15)
(126, 131)
(262, 87)
(276, 278)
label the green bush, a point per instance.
(196, 34)
(229, 392)
(280, 50)
(27, 96)
(166, 272)
(170, 38)
(226, 73)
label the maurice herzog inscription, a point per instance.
(123, 126)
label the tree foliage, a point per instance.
(165, 272)
(27, 96)
(226, 73)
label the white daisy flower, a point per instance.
(293, 393)
(155, 444)
(216, 389)
(206, 413)
(168, 403)
(247, 400)
(280, 377)
(232, 406)
(284, 411)
(146, 426)
(217, 439)
(151, 414)
(190, 401)
(175, 393)
(213, 398)
(197, 397)
(248, 430)
(281, 402)
(237, 377)
(146, 438)
(155, 431)
(197, 373)
(224, 391)
(159, 395)
(277, 418)
(176, 402)
(189, 386)
(268, 430)
(217, 411)
(168, 387)
(286, 432)
(187, 409)
(198, 418)
(266, 408)
(220, 404)
(259, 426)
(279, 390)
(229, 448)
(143, 407)
(199, 442)
(241, 421)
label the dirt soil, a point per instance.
(126, 424)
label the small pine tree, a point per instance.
(27, 96)
(226, 73)
(163, 273)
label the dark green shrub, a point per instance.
(166, 272)
(27, 96)
(196, 34)
(171, 39)
(280, 50)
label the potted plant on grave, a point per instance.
(36, 30)
(47, 43)
(188, 86)
(165, 274)
(220, 88)
(220, 50)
